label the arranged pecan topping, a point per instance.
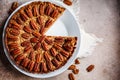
(44, 46)
(59, 57)
(29, 12)
(68, 48)
(30, 65)
(25, 43)
(37, 46)
(35, 11)
(50, 65)
(42, 30)
(27, 29)
(40, 21)
(71, 76)
(48, 23)
(25, 35)
(64, 53)
(48, 10)
(53, 52)
(33, 25)
(12, 38)
(42, 9)
(28, 49)
(48, 41)
(36, 67)
(19, 21)
(32, 56)
(19, 57)
(36, 34)
(43, 67)
(41, 39)
(38, 58)
(55, 13)
(59, 40)
(13, 45)
(15, 51)
(55, 62)
(23, 16)
(14, 32)
(34, 40)
(47, 56)
(25, 62)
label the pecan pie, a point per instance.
(26, 43)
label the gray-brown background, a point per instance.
(100, 17)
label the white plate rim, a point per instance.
(56, 72)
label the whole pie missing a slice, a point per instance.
(26, 43)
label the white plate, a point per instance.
(66, 25)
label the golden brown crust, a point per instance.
(26, 43)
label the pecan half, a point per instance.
(33, 25)
(44, 46)
(48, 41)
(42, 29)
(41, 39)
(36, 34)
(38, 58)
(50, 65)
(42, 9)
(13, 7)
(43, 67)
(75, 71)
(15, 51)
(72, 67)
(71, 76)
(27, 49)
(23, 16)
(19, 21)
(30, 66)
(15, 25)
(35, 11)
(25, 35)
(64, 53)
(56, 46)
(34, 40)
(36, 67)
(27, 29)
(47, 56)
(37, 46)
(12, 38)
(55, 13)
(29, 11)
(77, 61)
(90, 68)
(68, 2)
(25, 43)
(59, 57)
(55, 62)
(40, 20)
(32, 56)
(13, 46)
(19, 57)
(25, 62)
(53, 52)
(14, 32)
(68, 48)
(59, 40)
(48, 23)
(48, 10)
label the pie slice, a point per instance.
(26, 43)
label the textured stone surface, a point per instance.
(100, 17)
